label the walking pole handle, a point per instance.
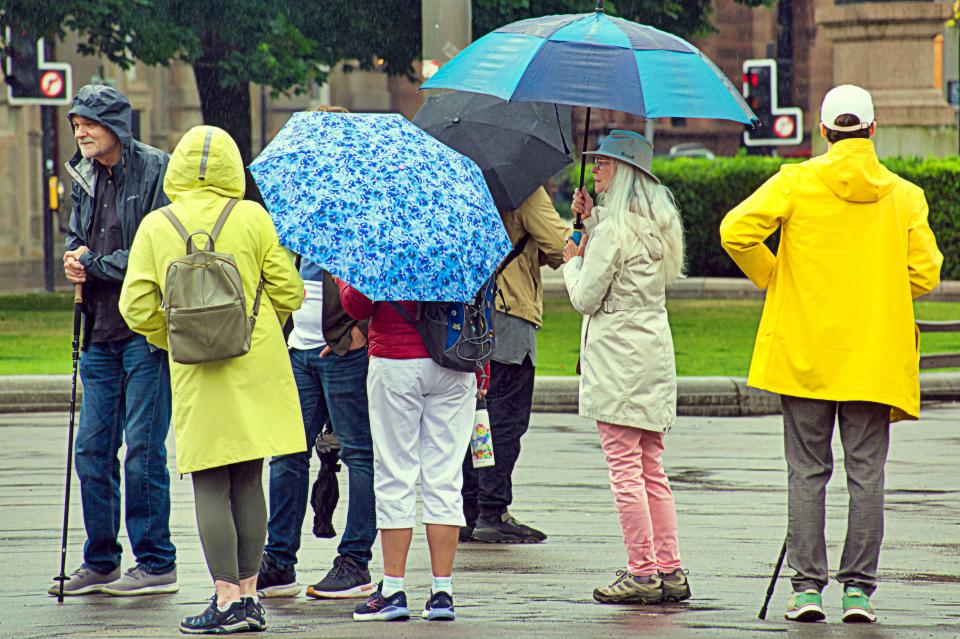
(773, 581)
(78, 293)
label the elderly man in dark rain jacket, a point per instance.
(116, 181)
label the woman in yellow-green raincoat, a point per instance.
(230, 414)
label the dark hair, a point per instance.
(847, 119)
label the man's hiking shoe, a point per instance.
(857, 607)
(466, 534)
(137, 581)
(380, 608)
(675, 585)
(214, 621)
(83, 581)
(439, 607)
(256, 616)
(630, 589)
(274, 581)
(346, 579)
(805, 607)
(505, 529)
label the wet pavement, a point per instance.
(729, 479)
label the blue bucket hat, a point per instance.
(629, 147)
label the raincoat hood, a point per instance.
(852, 171)
(206, 159)
(107, 106)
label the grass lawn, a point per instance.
(711, 337)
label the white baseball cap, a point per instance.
(847, 98)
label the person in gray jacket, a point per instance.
(126, 382)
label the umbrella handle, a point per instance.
(578, 224)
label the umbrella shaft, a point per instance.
(583, 149)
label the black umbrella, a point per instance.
(517, 145)
(326, 491)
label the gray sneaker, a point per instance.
(138, 581)
(83, 581)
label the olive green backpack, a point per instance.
(203, 300)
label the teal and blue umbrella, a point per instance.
(593, 60)
(598, 61)
(382, 205)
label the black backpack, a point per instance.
(460, 335)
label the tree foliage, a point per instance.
(288, 44)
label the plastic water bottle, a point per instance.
(481, 439)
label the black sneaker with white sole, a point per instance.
(505, 529)
(214, 621)
(276, 581)
(256, 616)
(347, 579)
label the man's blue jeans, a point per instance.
(334, 389)
(126, 397)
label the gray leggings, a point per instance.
(232, 518)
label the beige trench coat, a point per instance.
(628, 373)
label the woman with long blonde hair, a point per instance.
(628, 376)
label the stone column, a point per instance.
(887, 48)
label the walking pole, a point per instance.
(773, 581)
(77, 302)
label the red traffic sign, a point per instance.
(53, 84)
(784, 126)
(29, 77)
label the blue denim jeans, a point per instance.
(334, 389)
(126, 397)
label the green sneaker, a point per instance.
(805, 607)
(630, 589)
(857, 607)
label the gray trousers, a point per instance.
(807, 434)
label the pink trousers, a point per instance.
(644, 501)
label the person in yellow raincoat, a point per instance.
(837, 339)
(229, 414)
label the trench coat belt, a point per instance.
(612, 306)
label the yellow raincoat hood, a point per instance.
(206, 159)
(855, 249)
(852, 171)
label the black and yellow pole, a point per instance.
(578, 223)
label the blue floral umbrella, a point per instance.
(381, 204)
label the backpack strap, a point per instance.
(215, 233)
(402, 312)
(256, 306)
(513, 254)
(176, 223)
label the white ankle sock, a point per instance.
(391, 585)
(443, 584)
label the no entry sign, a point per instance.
(784, 126)
(30, 78)
(53, 84)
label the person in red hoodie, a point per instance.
(421, 416)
